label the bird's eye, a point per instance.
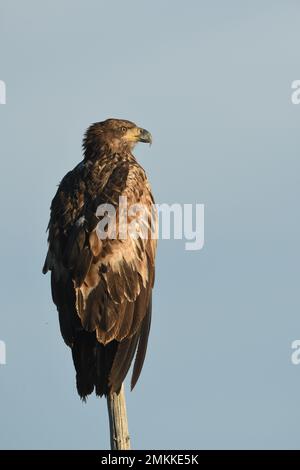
(123, 129)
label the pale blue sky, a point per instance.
(212, 81)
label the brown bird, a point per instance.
(101, 280)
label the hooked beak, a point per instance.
(144, 136)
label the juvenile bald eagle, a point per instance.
(102, 286)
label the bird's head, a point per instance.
(116, 135)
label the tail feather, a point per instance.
(122, 362)
(142, 346)
(83, 352)
(103, 368)
(104, 360)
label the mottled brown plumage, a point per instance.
(102, 287)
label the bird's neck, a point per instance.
(97, 150)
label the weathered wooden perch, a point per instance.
(118, 424)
